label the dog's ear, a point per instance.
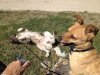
(79, 19)
(22, 30)
(91, 31)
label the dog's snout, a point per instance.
(13, 39)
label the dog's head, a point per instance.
(79, 33)
(22, 36)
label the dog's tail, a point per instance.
(79, 19)
(59, 53)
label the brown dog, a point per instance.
(84, 59)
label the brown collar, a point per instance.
(81, 50)
(88, 49)
(88, 46)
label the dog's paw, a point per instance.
(63, 54)
(47, 55)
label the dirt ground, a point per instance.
(51, 5)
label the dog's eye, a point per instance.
(72, 36)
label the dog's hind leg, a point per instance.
(58, 52)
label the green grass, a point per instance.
(38, 21)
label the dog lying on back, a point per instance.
(45, 41)
(84, 58)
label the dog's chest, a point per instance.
(75, 58)
(78, 59)
(84, 62)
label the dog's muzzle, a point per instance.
(13, 39)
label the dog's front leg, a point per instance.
(44, 49)
(58, 52)
(47, 53)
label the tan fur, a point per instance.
(87, 62)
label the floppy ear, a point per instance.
(20, 30)
(79, 19)
(91, 31)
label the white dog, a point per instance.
(45, 41)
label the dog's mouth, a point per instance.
(66, 44)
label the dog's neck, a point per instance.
(82, 47)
